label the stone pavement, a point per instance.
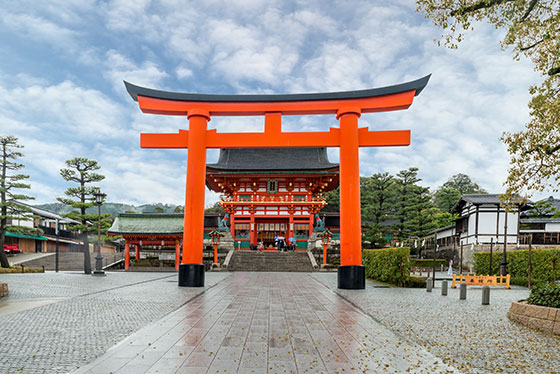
(472, 337)
(267, 322)
(81, 316)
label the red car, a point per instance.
(12, 248)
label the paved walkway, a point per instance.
(267, 322)
(56, 322)
(472, 337)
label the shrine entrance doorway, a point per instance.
(270, 228)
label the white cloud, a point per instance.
(39, 29)
(120, 68)
(254, 46)
(63, 107)
(183, 72)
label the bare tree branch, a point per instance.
(482, 4)
(531, 46)
(529, 10)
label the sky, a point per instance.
(63, 63)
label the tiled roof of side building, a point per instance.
(479, 199)
(256, 159)
(154, 223)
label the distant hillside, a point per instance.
(112, 208)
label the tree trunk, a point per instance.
(4, 211)
(3, 258)
(87, 260)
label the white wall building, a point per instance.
(482, 220)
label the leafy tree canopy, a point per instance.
(216, 208)
(463, 184)
(333, 200)
(533, 31)
(446, 198)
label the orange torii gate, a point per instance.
(347, 106)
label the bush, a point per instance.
(17, 269)
(545, 295)
(390, 265)
(416, 281)
(428, 263)
(545, 265)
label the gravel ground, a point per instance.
(463, 333)
(88, 315)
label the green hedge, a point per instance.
(389, 265)
(545, 295)
(428, 263)
(545, 265)
(17, 269)
(416, 281)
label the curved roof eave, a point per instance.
(417, 85)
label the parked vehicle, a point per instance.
(11, 249)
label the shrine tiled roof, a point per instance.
(147, 223)
(268, 159)
(154, 223)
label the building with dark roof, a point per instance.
(540, 225)
(483, 219)
(272, 192)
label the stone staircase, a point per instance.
(297, 261)
(66, 261)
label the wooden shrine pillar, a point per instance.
(252, 231)
(351, 273)
(126, 255)
(290, 228)
(232, 227)
(191, 270)
(177, 254)
(137, 250)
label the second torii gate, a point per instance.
(347, 106)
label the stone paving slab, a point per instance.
(472, 337)
(90, 315)
(266, 323)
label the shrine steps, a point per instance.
(297, 261)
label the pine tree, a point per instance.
(421, 214)
(82, 171)
(9, 208)
(406, 194)
(378, 194)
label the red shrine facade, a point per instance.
(270, 192)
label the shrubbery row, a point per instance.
(390, 265)
(545, 295)
(545, 265)
(428, 263)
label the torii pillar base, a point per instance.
(351, 277)
(191, 275)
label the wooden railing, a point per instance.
(481, 280)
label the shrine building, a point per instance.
(270, 192)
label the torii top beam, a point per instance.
(396, 97)
(382, 99)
